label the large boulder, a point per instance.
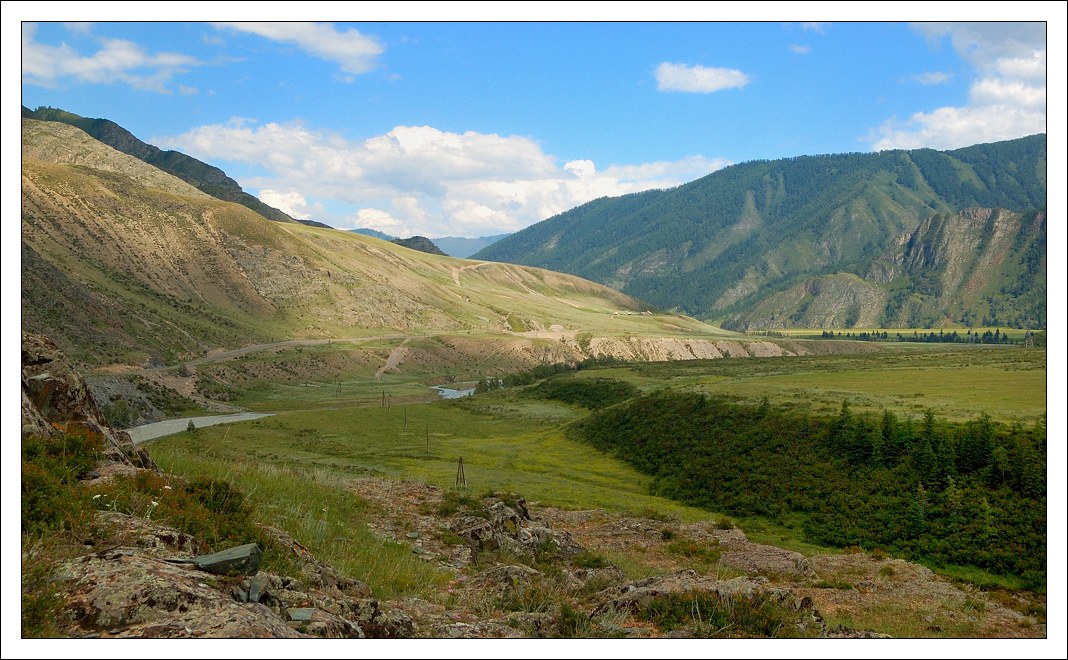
(55, 399)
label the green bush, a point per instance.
(711, 615)
(52, 498)
(592, 393)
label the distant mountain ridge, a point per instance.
(421, 243)
(741, 239)
(454, 246)
(207, 178)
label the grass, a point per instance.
(902, 620)
(957, 382)
(315, 507)
(504, 448)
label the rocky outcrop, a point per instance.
(56, 399)
(507, 527)
(153, 586)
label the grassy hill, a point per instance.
(125, 263)
(724, 246)
(207, 178)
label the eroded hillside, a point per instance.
(127, 264)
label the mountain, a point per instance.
(367, 231)
(421, 243)
(455, 246)
(207, 178)
(124, 263)
(738, 244)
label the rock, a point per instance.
(330, 626)
(317, 573)
(242, 559)
(378, 623)
(507, 576)
(123, 591)
(758, 559)
(148, 534)
(257, 585)
(480, 630)
(55, 399)
(300, 613)
(635, 595)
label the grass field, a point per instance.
(512, 442)
(955, 381)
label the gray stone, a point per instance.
(243, 559)
(256, 587)
(300, 613)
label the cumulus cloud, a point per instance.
(799, 49)
(815, 26)
(354, 52)
(419, 179)
(1006, 99)
(292, 203)
(116, 61)
(684, 78)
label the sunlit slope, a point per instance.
(123, 262)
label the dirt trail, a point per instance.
(456, 271)
(396, 357)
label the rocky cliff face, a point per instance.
(55, 399)
(981, 266)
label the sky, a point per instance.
(480, 128)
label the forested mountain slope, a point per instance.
(723, 246)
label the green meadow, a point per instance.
(327, 433)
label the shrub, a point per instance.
(709, 554)
(590, 560)
(711, 615)
(52, 498)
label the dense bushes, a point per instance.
(592, 393)
(52, 498)
(948, 493)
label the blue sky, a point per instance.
(472, 129)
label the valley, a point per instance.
(611, 446)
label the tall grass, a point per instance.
(315, 507)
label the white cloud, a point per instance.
(292, 203)
(1006, 100)
(932, 78)
(117, 61)
(355, 53)
(421, 180)
(683, 78)
(800, 50)
(381, 221)
(983, 44)
(815, 26)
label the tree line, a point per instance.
(932, 337)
